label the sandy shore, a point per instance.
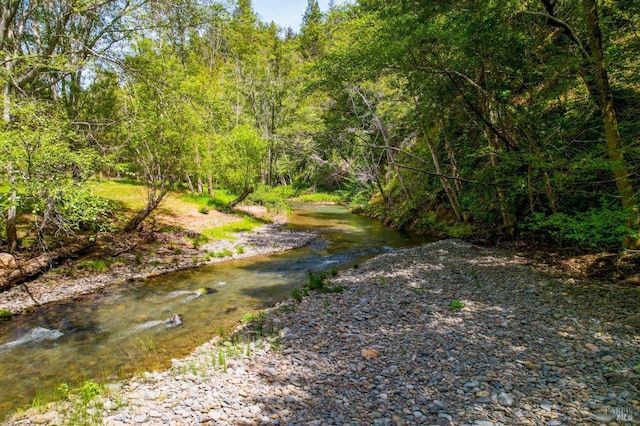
(446, 334)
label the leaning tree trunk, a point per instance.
(610, 122)
(240, 198)
(153, 201)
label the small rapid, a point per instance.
(34, 335)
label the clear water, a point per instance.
(122, 330)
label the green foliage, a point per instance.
(95, 265)
(431, 117)
(219, 198)
(337, 197)
(595, 228)
(227, 230)
(63, 390)
(252, 317)
(5, 313)
(89, 390)
(274, 199)
(318, 282)
(223, 253)
(240, 154)
(456, 304)
(298, 294)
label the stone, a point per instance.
(369, 353)
(505, 399)
(591, 347)
(142, 418)
(7, 261)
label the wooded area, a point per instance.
(517, 118)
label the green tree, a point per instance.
(158, 133)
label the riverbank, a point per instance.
(447, 333)
(150, 253)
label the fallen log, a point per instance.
(30, 269)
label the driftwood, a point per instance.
(32, 268)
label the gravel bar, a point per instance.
(444, 334)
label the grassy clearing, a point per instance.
(321, 197)
(227, 230)
(221, 197)
(127, 195)
(133, 197)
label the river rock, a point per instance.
(505, 399)
(7, 261)
(369, 353)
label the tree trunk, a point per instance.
(190, 183)
(210, 185)
(153, 201)
(34, 267)
(448, 189)
(610, 122)
(242, 196)
(452, 159)
(11, 228)
(12, 214)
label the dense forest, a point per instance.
(518, 118)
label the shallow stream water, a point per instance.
(123, 329)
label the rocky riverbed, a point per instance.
(447, 334)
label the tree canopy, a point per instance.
(514, 118)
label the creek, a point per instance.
(123, 329)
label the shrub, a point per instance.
(319, 283)
(596, 228)
(274, 199)
(297, 294)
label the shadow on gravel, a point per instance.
(394, 348)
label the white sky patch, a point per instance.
(287, 13)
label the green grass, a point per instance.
(320, 197)
(221, 197)
(131, 196)
(456, 304)
(127, 195)
(318, 282)
(226, 231)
